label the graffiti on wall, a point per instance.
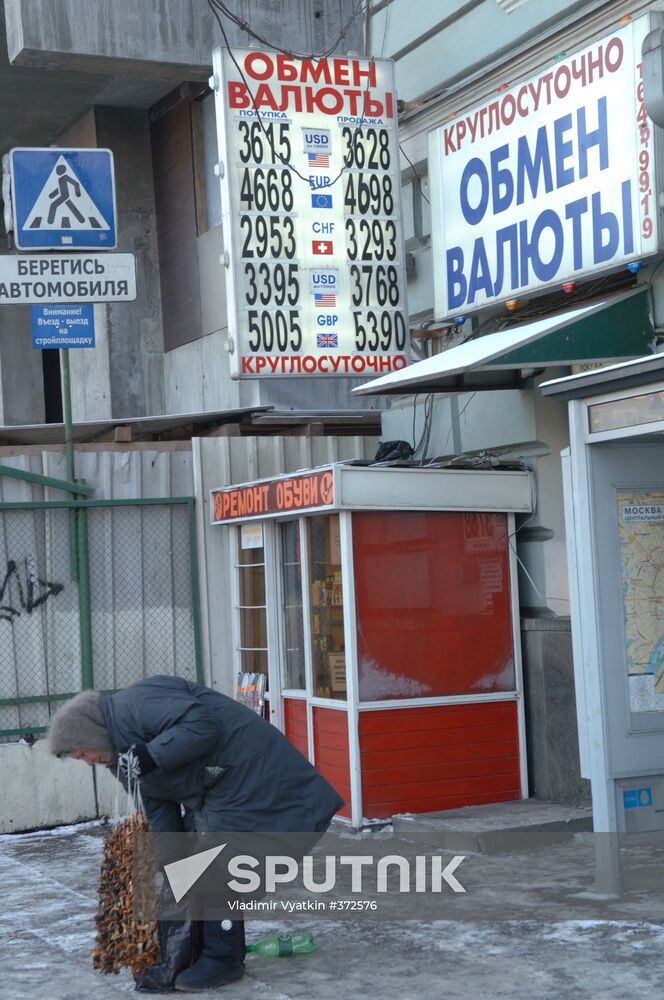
(22, 591)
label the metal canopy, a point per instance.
(141, 428)
(614, 378)
(617, 326)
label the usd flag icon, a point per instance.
(320, 160)
(321, 201)
(327, 340)
(325, 300)
(322, 247)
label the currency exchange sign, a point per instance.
(312, 215)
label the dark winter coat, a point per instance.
(233, 770)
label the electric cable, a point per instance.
(426, 428)
(544, 597)
(217, 7)
(418, 178)
(457, 419)
(224, 9)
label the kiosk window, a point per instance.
(252, 607)
(293, 622)
(432, 596)
(632, 411)
(327, 611)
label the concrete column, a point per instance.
(135, 336)
(122, 376)
(21, 375)
(551, 723)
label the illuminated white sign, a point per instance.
(311, 214)
(547, 182)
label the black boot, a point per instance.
(222, 957)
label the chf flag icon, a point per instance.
(322, 247)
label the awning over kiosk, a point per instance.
(615, 327)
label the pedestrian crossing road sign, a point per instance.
(63, 199)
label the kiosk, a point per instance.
(614, 499)
(381, 603)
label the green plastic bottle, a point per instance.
(280, 945)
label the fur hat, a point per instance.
(79, 725)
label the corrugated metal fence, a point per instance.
(93, 593)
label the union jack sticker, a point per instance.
(327, 340)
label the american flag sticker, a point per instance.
(327, 340)
(319, 161)
(325, 300)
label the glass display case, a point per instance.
(327, 606)
(294, 669)
(252, 607)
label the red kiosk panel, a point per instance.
(295, 723)
(331, 750)
(443, 757)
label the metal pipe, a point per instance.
(69, 456)
(84, 601)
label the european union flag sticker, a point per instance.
(321, 201)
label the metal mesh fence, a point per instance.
(143, 617)
(39, 623)
(141, 592)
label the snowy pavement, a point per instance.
(47, 929)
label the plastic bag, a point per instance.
(180, 942)
(394, 451)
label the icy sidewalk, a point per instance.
(47, 928)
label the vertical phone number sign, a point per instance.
(309, 167)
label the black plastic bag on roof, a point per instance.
(180, 942)
(394, 451)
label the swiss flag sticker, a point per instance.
(322, 246)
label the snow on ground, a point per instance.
(47, 928)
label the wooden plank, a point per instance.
(394, 806)
(434, 771)
(466, 787)
(444, 737)
(331, 721)
(338, 756)
(373, 759)
(414, 720)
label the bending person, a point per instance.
(193, 747)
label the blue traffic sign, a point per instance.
(63, 326)
(63, 199)
(637, 798)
